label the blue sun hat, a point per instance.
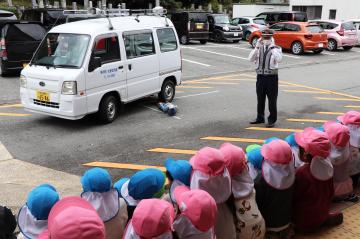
(270, 139)
(146, 183)
(118, 185)
(290, 139)
(179, 170)
(255, 158)
(321, 128)
(96, 180)
(32, 217)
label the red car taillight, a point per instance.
(341, 32)
(308, 36)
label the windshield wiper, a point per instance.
(44, 64)
(66, 66)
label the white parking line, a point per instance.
(219, 53)
(195, 62)
(328, 53)
(205, 93)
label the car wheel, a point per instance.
(184, 40)
(347, 48)
(3, 71)
(332, 45)
(247, 36)
(318, 51)
(254, 41)
(167, 92)
(203, 42)
(108, 110)
(297, 48)
(217, 37)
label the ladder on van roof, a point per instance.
(116, 12)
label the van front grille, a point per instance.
(47, 104)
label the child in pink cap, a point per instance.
(339, 136)
(196, 213)
(210, 174)
(274, 189)
(250, 223)
(314, 187)
(352, 120)
(152, 218)
(74, 218)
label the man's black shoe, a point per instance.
(257, 122)
(270, 125)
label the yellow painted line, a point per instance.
(352, 106)
(328, 91)
(194, 87)
(233, 139)
(234, 80)
(306, 91)
(122, 166)
(12, 106)
(307, 120)
(337, 99)
(274, 129)
(179, 91)
(14, 114)
(284, 85)
(329, 113)
(172, 151)
(213, 83)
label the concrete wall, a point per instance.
(243, 10)
(344, 9)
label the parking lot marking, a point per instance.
(337, 99)
(352, 106)
(307, 92)
(290, 86)
(194, 87)
(274, 129)
(307, 120)
(330, 113)
(14, 114)
(205, 93)
(195, 62)
(212, 83)
(122, 166)
(233, 139)
(11, 106)
(172, 151)
(218, 53)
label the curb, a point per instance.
(4, 153)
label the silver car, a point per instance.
(249, 25)
(6, 15)
(356, 23)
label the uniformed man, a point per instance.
(266, 56)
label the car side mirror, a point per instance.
(95, 63)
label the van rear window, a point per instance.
(197, 17)
(25, 32)
(315, 29)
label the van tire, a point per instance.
(203, 42)
(108, 109)
(167, 92)
(3, 72)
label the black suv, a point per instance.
(18, 42)
(289, 16)
(221, 29)
(49, 17)
(191, 25)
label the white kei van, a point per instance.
(85, 67)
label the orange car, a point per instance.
(296, 36)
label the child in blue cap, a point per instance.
(144, 184)
(33, 216)
(178, 172)
(98, 191)
(254, 159)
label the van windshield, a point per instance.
(62, 50)
(222, 19)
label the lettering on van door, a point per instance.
(109, 73)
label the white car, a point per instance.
(356, 23)
(86, 67)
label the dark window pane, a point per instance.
(139, 44)
(107, 47)
(167, 39)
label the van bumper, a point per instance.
(65, 106)
(198, 36)
(232, 36)
(12, 65)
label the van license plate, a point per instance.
(236, 34)
(321, 44)
(42, 96)
(199, 25)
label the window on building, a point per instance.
(332, 14)
(138, 44)
(107, 47)
(313, 12)
(167, 39)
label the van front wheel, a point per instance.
(167, 92)
(108, 110)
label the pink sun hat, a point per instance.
(350, 117)
(234, 157)
(74, 218)
(338, 134)
(314, 141)
(152, 218)
(209, 161)
(198, 206)
(277, 151)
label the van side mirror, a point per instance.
(95, 63)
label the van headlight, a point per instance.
(226, 28)
(22, 81)
(69, 88)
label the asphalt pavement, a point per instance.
(216, 101)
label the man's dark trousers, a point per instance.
(267, 86)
